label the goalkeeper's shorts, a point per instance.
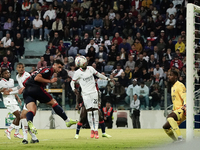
(180, 115)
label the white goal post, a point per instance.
(190, 71)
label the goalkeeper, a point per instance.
(178, 115)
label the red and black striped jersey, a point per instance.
(46, 73)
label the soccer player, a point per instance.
(83, 115)
(174, 119)
(34, 90)
(10, 102)
(84, 75)
(21, 77)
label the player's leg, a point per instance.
(83, 117)
(102, 125)
(96, 121)
(59, 111)
(16, 122)
(169, 131)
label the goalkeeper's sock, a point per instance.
(174, 126)
(29, 116)
(103, 126)
(59, 111)
(79, 125)
(170, 133)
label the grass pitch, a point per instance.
(59, 139)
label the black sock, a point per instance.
(102, 125)
(78, 129)
(59, 111)
(30, 116)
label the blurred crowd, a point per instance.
(134, 42)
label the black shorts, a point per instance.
(33, 93)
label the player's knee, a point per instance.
(170, 119)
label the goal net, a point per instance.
(192, 71)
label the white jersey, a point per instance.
(8, 99)
(86, 79)
(21, 79)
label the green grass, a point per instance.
(63, 139)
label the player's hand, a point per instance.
(53, 80)
(77, 107)
(10, 90)
(76, 91)
(184, 108)
(6, 93)
(21, 90)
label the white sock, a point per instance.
(67, 120)
(90, 119)
(11, 127)
(32, 135)
(16, 129)
(24, 128)
(96, 120)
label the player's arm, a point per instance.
(182, 93)
(18, 99)
(39, 78)
(72, 84)
(99, 75)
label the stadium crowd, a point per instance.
(130, 41)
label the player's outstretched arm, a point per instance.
(39, 78)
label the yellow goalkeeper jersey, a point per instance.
(178, 93)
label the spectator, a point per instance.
(99, 65)
(102, 56)
(179, 54)
(67, 26)
(176, 62)
(146, 3)
(107, 42)
(136, 73)
(91, 16)
(115, 43)
(41, 63)
(98, 40)
(130, 63)
(6, 64)
(164, 5)
(26, 28)
(135, 111)
(118, 38)
(33, 70)
(92, 44)
(159, 25)
(157, 80)
(111, 15)
(112, 56)
(55, 5)
(106, 26)
(150, 26)
(57, 27)
(47, 25)
(98, 24)
(170, 26)
(61, 15)
(17, 26)
(149, 48)
(162, 36)
(51, 61)
(180, 25)
(152, 38)
(156, 54)
(10, 14)
(125, 45)
(91, 55)
(138, 46)
(123, 56)
(17, 7)
(168, 55)
(75, 28)
(11, 58)
(161, 46)
(19, 45)
(63, 75)
(171, 11)
(141, 63)
(72, 70)
(122, 12)
(180, 46)
(37, 27)
(133, 52)
(164, 64)
(128, 73)
(131, 88)
(117, 72)
(8, 27)
(40, 13)
(66, 64)
(85, 41)
(58, 55)
(55, 40)
(6, 41)
(108, 114)
(47, 56)
(62, 48)
(133, 12)
(123, 80)
(119, 92)
(143, 92)
(158, 70)
(55, 85)
(152, 62)
(170, 45)
(140, 38)
(118, 61)
(86, 4)
(102, 13)
(75, 5)
(137, 4)
(155, 96)
(145, 77)
(145, 56)
(26, 5)
(117, 25)
(130, 40)
(51, 13)
(34, 7)
(139, 25)
(154, 13)
(102, 83)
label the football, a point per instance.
(80, 61)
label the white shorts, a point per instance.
(90, 100)
(12, 108)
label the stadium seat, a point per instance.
(122, 119)
(67, 44)
(82, 52)
(88, 29)
(108, 69)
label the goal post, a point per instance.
(190, 71)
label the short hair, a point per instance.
(175, 73)
(18, 64)
(57, 61)
(3, 70)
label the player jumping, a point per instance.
(84, 75)
(21, 77)
(10, 102)
(174, 119)
(83, 115)
(34, 90)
